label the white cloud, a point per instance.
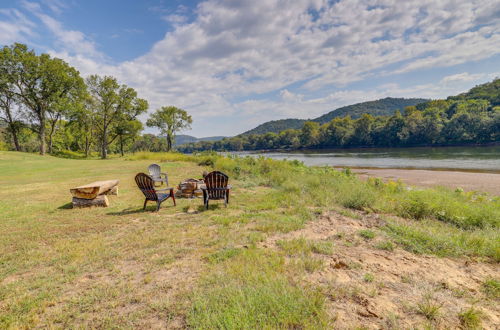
(215, 63)
(16, 27)
(175, 19)
(71, 41)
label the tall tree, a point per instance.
(40, 83)
(7, 112)
(309, 134)
(127, 131)
(112, 103)
(170, 120)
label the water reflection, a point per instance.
(464, 158)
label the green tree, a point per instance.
(112, 105)
(309, 134)
(127, 131)
(41, 84)
(362, 130)
(170, 120)
(7, 114)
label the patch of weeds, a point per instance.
(280, 223)
(338, 291)
(348, 213)
(392, 321)
(366, 234)
(322, 247)
(255, 237)
(368, 277)
(442, 239)
(471, 318)
(311, 264)
(355, 196)
(223, 255)
(301, 246)
(429, 308)
(250, 291)
(491, 287)
(407, 278)
(458, 293)
(385, 245)
(226, 220)
(354, 265)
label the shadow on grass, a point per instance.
(66, 206)
(199, 208)
(132, 210)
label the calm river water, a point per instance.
(459, 158)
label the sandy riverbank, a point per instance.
(468, 181)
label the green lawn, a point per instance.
(121, 267)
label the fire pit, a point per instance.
(190, 188)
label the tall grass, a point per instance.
(457, 223)
(252, 291)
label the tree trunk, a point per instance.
(41, 136)
(104, 145)
(13, 130)
(53, 125)
(121, 145)
(14, 137)
(169, 142)
(12, 125)
(87, 147)
(50, 143)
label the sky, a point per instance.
(234, 64)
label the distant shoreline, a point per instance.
(435, 169)
(490, 144)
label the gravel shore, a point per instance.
(468, 181)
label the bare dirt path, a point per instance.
(468, 181)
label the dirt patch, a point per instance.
(375, 288)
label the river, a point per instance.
(481, 159)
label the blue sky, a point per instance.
(234, 64)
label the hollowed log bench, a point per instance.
(94, 194)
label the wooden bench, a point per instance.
(94, 194)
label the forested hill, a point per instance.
(468, 118)
(488, 91)
(276, 126)
(181, 139)
(382, 107)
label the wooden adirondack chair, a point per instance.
(147, 186)
(155, 173)
(216, 188)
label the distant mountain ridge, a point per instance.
(383, 107)
(181, 139)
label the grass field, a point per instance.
(284, 254)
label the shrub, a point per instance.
(385, 245)
(491, 287)
(3, 146)
(429, 308)
(355, 195)
(368, 277)
(366, 233)
(471, 318)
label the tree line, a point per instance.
(469, 118)
(46, 105)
